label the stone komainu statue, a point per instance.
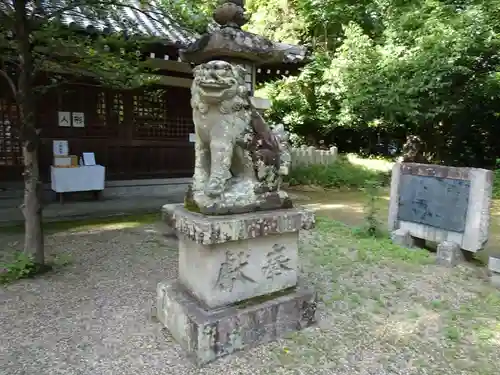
(413, 150)
(239, 159)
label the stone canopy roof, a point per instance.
(292, 54)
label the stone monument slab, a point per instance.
(440, 203)
(434, 201)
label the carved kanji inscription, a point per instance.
(438, 202)
(232, 270)
(276, 262)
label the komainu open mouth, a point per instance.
(212, 86)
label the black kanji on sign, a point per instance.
(77, 119)
(438, 202)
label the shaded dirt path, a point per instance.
(347, 207)
(344, 206)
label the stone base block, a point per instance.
(403, 238)
(495, 279)
(207, 334)
(494, 263)
(228, 259)
(449, 254)
(494, 270)
(219, 275)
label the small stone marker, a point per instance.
(494, 268)
(449, 254)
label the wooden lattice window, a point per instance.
(150, 114)
(117, 110)
(180, 126)
(10, 150)
(249, 77)
(101, 110)
(109, 113)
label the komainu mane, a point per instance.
(239, 159)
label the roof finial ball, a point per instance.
(231, 13)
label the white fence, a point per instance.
(305, 156)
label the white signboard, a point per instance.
(88, 158)
(60, 148)
(62, 161)
(192, 137)
(78, 119)
(64, 119)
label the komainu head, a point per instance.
(217, 81)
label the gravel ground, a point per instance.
(385, 311)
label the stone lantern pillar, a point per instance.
(238, 232)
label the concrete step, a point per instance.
(127, 197)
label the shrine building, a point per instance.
(137, 134)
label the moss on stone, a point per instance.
(263, 298)
(191, 205)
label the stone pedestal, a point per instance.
(238, 281)
(208, 334)
(402, 238)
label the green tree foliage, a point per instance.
(426, 67)
(192, 14)
(278, 20)
(324, 19)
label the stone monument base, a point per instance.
(241, 199)
(207, 334)
(449, 254)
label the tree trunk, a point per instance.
(32, 207)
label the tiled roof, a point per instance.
(294, 54)
(134, 20)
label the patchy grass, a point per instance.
(383, 309)
(496, 184)
(19, 267)
(386, 309)
(373, 164)
(348, 171)
(344, 206)
(364, 249)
